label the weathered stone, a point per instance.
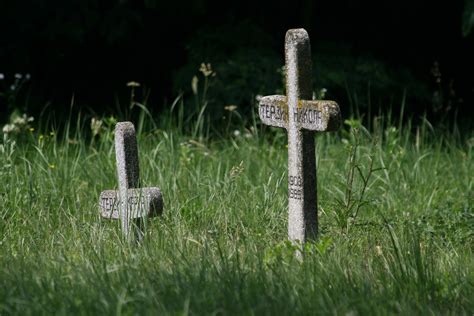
(146, 202)
(126, 155)
(300, 116)
(313, 115)
(129, 203)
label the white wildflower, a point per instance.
(322, 93)
(2, 76)
(23, 120)
(19, 120)
(8, 128)
(236, 133)
(96, 125)
(230, 108)
(18, 76)
(206, 70)
(378, 250)
(194, 85)
(133, 84)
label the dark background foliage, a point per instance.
(365, 52)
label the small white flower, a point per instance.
(194, 85)
(236, 133)
(96, 125)
(27, 76)
(8, 128)
(378, 250)
(2, 76)
(20, 120)
(133, 84)
(230, 108)
(12, 87)
(206, 70)
(322, 93)
(18, 76)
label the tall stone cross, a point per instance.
(130, 203)
(301, 117)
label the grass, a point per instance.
(220, 247)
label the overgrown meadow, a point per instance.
(395, 219)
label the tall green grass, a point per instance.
(220, 246)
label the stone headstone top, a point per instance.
(126, 153)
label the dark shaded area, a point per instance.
(375, 51)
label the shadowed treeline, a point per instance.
(91, 49)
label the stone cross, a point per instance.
(301, 117)
(130, 203)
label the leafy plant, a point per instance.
(358, 176)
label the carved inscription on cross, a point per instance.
(130, 204)
(301, 117)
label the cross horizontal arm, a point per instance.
(273, 111)
(145, 202)
(313, 115)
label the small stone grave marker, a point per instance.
(129, 203)
(301, 117)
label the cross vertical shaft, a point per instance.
(126, 153)
(302, 204)
(301, 117)
(130, 204)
